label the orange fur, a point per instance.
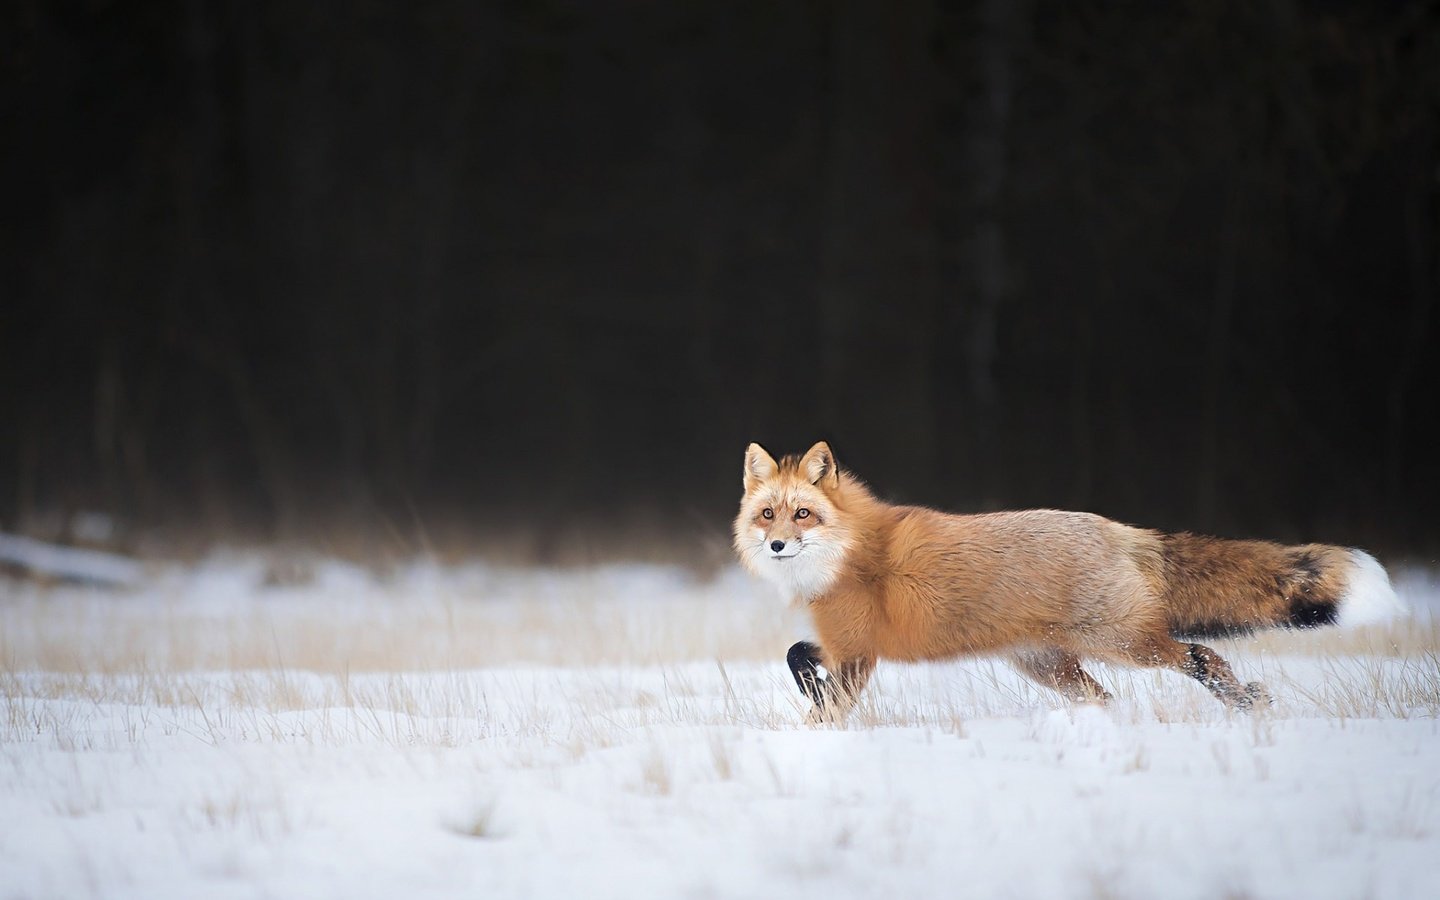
(1047, 587)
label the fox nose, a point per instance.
(777, 546)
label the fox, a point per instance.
(1047, 588)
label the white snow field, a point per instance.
(633, 732)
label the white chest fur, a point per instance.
(804, 576)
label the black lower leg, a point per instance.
(805, 659)
(1212, 672)
(1198, 667)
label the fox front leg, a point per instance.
(807, 665)
(832, 693)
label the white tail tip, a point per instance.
(1368, 596)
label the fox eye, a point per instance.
(802, 513)
(768, 513)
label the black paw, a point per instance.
(805, 662)
(1257, 694)
(1253, 695)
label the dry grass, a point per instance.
(1404, 638)
(359, 624)
(408, 663)
(576, 712)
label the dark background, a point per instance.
(535, 272)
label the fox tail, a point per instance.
(1211, 586)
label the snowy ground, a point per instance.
(632, 732)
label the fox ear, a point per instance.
(759, 466)
(819, 466)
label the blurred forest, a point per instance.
(279, 270)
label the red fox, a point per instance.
(1045, 586)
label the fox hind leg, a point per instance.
(1202, 664)
(1060, 670)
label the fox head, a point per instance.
(791, 529)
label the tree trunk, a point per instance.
(879, 285)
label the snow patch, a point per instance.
(69, 563)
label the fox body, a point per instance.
(1047, 587)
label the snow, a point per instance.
(632, 731)
(68, 563)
